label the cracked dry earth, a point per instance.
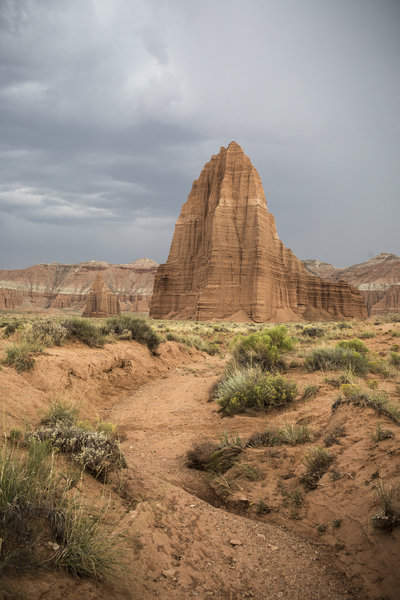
(185, 545)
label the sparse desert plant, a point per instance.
(310, 391)
(395, 359)
(248, 471)
(214, 457)
(94, 451)
(34, 507)
(10, 327)
(312, 331)
(334, 434)
(259, 392)
(379, 400)
(20, 356)
(317, 462)
(344, 325)
(15, 435)
(381, 433)
(262, 507)
(330, 358)
(364, 335)
(139, 330)
(354, 344)
(388, 501)
(340, 380)
(289, 433)
(47, 332)
(85, 331)
(263, 349)
(60, 411)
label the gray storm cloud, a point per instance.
(108, 111)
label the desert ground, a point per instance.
(264, 521)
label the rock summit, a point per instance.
(100, 301)
(226, 260)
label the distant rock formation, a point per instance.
(227, 262)
(100, 301)
(65, 287)
(378, 279)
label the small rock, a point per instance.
(169, 572)
(271, 547)
(53, 545)
(235, 542)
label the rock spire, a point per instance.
(226, 260)
(100, 301)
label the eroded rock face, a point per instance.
(378, 279)
(226, 260)
(100, 301)
(65, 287)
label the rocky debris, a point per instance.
(63, 286)
(226, 260)
(100, 301)
(378, 279)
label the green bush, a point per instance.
(85, 331)
(47, 332)
(311, 331)
(263, 349)
(328, 358)
(252, 390)
(34, 507)
(354, 344)
(139, 330)
(60, 412)
(20, 356)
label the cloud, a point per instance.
(108, 111)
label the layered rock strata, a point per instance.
(378, 279)
(65, 287)
(226, 260)
(100, 301)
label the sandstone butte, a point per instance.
(227, 262)
(100, 301)
(65, 286)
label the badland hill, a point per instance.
(226, 260)
(378, 279)
(58, 286)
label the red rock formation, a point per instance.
(227, 262)
(65, 287)
(100, 301)
(378, 279)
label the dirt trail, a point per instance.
(185, 546)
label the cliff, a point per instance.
(65, 286)
(226, 260)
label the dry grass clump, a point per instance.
(381, 433)
(34, 508)
(330, 358)
(378, 400)
(289, 433)
(217, 458)
(388, 500)
(316, 462)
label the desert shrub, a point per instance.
(331, 358)
(381, 433)
(263, 349)
(312, 331)
(364, 335)
(310, 391)
(334, 434)
(47, 332)
(289, 433)
(85, 331)
(388, 500)
(20, 356)
(354, 344)
(213, 457)
(93, 451)
(378, 400)
(15, 435)
(340, 380)
(10, 327)
(252, 390)
(139, 330)
(34, 507)
(60, 412)
(344, 325)
(380, 367)
(316, 462)
(395, 359)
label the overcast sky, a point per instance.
(110, 108)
